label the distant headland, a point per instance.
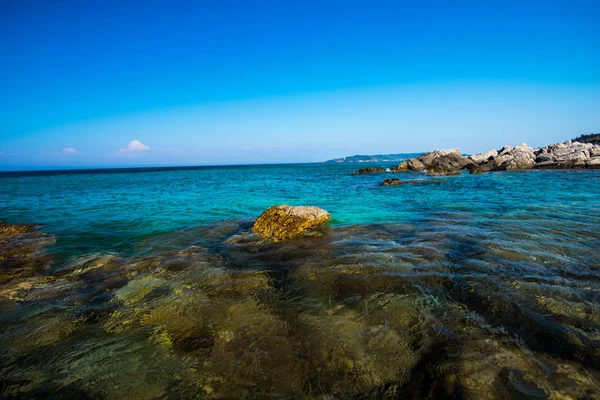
(374, 158)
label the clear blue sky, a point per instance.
(225, 82)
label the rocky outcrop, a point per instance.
(438, 162)
(369, 171)
(561, 155)
(568, 155)
(520, 157)
(285, 222)
(448, 162)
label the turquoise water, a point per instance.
(481, 286)
(108, 211)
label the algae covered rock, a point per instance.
(22, 251)
(284, 221)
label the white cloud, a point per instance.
(135, 148)
(135, 145)
(70, 150)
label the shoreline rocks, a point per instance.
(284, 222)
(439, 162)
(522, 157)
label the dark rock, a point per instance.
(593, 138)
(396, 182)
(369, 170)
(480, 169)
(393, 182)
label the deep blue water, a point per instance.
(483, 286)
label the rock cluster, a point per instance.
(284, 222)
(368, 171)
(568, 154)
(561, 155)
(438, 162)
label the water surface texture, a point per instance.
(150, 285)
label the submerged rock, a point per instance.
(396, 182)
(284, 221)
(22, 251)
(369, 170)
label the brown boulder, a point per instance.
(412, 164)
(284, 222)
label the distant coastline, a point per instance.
(375, 158)
(592, 138)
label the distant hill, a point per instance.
(593, 138)
(375, 158)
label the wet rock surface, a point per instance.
(22, 251)
(369, 171)
(285, 222)
(439, 310)
(397, 182)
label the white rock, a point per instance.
(483, 157)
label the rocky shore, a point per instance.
(557, 156)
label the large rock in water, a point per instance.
(284, 222)
(438, 162)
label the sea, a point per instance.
(149, 284)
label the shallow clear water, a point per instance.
(482, 286)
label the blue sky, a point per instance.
(86, 84)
